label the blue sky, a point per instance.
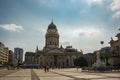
(81, 23)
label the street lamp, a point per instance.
(102, 42)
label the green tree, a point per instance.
(80, 62)
(105, 56)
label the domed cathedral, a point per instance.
(51, 37)
(52, 55)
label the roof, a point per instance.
(70, 49)
(55, 51)
(52, 26)
(29, 54)
(118, 35)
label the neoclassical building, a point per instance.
(53, 54)
(115, 47)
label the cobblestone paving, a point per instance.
(78, 75)
(50, 76)
(57, 74)
(4, 72)
(19, 75)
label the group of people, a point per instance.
(46, 68)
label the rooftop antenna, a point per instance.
(52, 20)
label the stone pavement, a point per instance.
(73, 74)
(59, 74)
(4, 72)
(50, 75)
(23, 74)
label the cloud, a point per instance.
(12, 27)
(48, 3)
(83, 31)
(86, 32)
(115, 8)
(116, 14)
(83, 37)
(89, 2)
(43, 30)
(115, 5)
(65, 43)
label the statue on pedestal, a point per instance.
(98, 65)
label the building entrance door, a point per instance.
(55, 60)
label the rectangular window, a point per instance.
(117, 48)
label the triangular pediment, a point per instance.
(55, 52)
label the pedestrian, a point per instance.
(45, 68)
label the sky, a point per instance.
(80, 23)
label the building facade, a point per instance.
(115, 48)
(29, 57)
(52, 55)
(19, 54)
(4, 53)
(12, 60)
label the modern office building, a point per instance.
(4, 53)
(18, 52)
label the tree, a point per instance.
(104, 56)
(80, 62)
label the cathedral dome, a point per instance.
(52, 26)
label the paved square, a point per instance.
(19, 75)
(57, 74)
(50, 76)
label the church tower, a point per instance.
(52, 37)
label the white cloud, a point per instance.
(12, 27)
(43, 30)
(89, 2)
(48, 3)
(115, 7)
(116, 14)
(86, 32)
(83, 33)
(83, 37)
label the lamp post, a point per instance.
(102, 42)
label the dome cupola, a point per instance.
(52, 36)
(52, 26)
